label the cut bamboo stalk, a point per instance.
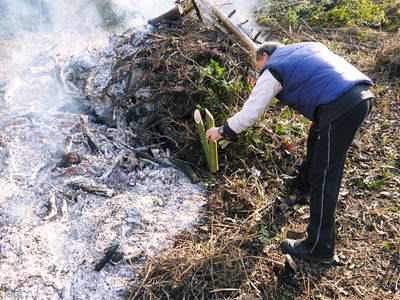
(202, 135)
(212, 145)
(242, 37)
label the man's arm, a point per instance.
(266, 88)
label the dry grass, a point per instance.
(389, 55)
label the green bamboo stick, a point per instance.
(212, 145)
(202, 135)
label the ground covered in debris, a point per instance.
(138, 136)
(234, 251)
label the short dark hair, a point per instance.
(267, 47)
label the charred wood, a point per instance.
(88, 135)
(107, 257)
(69, 159)
(232, 13)
(98, 190)
(186, 169)
(114, 164)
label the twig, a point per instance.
(88, 135)
(143, 282)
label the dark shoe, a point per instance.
(296, 187)
(298, 249)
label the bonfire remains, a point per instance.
(96, 179)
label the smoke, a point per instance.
(89, 19)
(242, 13)
(244, 9)
(50, 16)
(47, 33)
(136, 13)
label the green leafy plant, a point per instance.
(385, 246)
(265, 238)
(221, 88)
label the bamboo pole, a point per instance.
(242, 37)
(212, 145)
(198, 13)
(202, 135)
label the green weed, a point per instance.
(336, 13)
(221, 89)
(385, 247)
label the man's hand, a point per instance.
(213, 134)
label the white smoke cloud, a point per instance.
(136, 13)
(81, 17)
(46, 33)
(243, 16)
(51, 16)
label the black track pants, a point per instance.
(303, 179)
(327, 145)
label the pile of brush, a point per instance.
(149, 82)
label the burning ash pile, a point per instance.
(98, 156)
(71, 188)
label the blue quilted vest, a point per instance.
(312, 75)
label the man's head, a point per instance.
(263, 53)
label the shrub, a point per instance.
(335, 13)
